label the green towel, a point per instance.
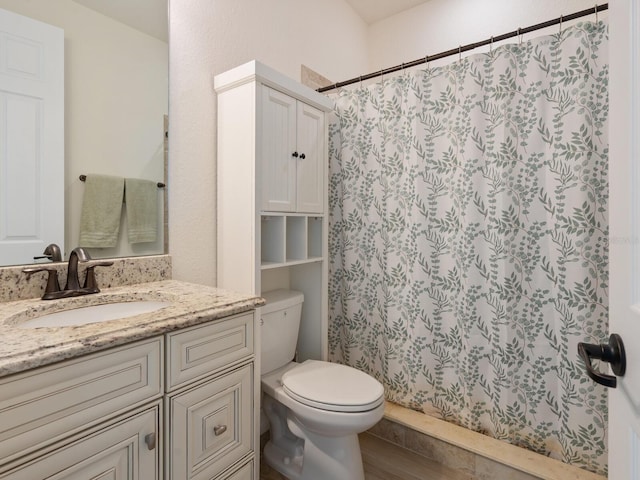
(101, 211)
(142, 210)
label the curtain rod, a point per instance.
(470, 46)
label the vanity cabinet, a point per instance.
(292, 154)
(179, 406)
(210, 425)
(209, 407)
(45, 405)
(122, 450)
(272, 215)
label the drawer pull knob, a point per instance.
(150, 440)
(219, 430)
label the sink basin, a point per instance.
(94, 314)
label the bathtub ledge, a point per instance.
(501, 452)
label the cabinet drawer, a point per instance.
(41, 406)
(243, 473)
(117, 451)
(211, 426)
(197, 352)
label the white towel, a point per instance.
(101, 211)
(142, 210)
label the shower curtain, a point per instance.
(468, 240)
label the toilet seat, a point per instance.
(333, 387)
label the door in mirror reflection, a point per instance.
(31, 137)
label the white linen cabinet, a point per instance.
(292, 154)
(272, 192)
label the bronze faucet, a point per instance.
(72, 288)
(78, 254)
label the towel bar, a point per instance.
(84, 177)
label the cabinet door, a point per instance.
(311, 162)
(244, 473)
(125, 450)
(41, 406)
(210, 426)
(276, 155)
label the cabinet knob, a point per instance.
(219, 430)
(302, 156)
(150, 440)
(294, 154)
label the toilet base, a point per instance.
(280, 460)
(339, 460)
(300, 454)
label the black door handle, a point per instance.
(612, 352)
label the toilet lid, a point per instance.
(331, 386)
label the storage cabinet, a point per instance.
(124, 450)
(211, 396)
(110, 415)
(272, 192)
(210, 426)
(292, 154)
(49, 403)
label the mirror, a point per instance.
(115, 105)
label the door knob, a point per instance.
(612, 352)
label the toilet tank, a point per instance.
(279, 325)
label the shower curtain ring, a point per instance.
(360, 81)
(459, 52)
(519, 37)
(560, 24)
(596, 10)
(491, 45)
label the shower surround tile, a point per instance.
(469, 453)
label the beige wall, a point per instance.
(210, 37)
(441, 25)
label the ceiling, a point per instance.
(372, 11)
(148, 16)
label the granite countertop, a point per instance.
(26, 348)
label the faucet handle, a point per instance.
(90, 276)
(52, 252)
(52, 281)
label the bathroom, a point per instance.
(208, 38)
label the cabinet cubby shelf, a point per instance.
(289, 263)
(290, 240)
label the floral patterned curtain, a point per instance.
(468, 240)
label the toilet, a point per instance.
(315, 409)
